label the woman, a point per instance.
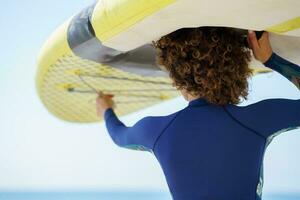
(212, 149)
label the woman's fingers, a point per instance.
(265, 35)
(253, 41)
(264, 40)
(261, 48)
(104, 97)
(103, 102)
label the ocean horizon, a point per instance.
(111, 195)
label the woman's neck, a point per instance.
(191, 98)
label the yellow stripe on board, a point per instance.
(286, 26)
(113, 17)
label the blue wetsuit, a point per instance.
(210, 152)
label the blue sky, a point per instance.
(38, 151)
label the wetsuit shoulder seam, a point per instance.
(243, 125)
(162, 132)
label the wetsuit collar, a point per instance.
(198, 102)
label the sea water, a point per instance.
(111, 196)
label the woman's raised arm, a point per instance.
(263, 52)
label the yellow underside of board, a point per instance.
(63, 89)
(68, 97)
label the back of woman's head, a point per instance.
(208, 62)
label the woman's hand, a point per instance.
(261, 48)
(103, 102)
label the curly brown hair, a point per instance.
(208, 62)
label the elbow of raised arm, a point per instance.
(118, 137)
(117, 140)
